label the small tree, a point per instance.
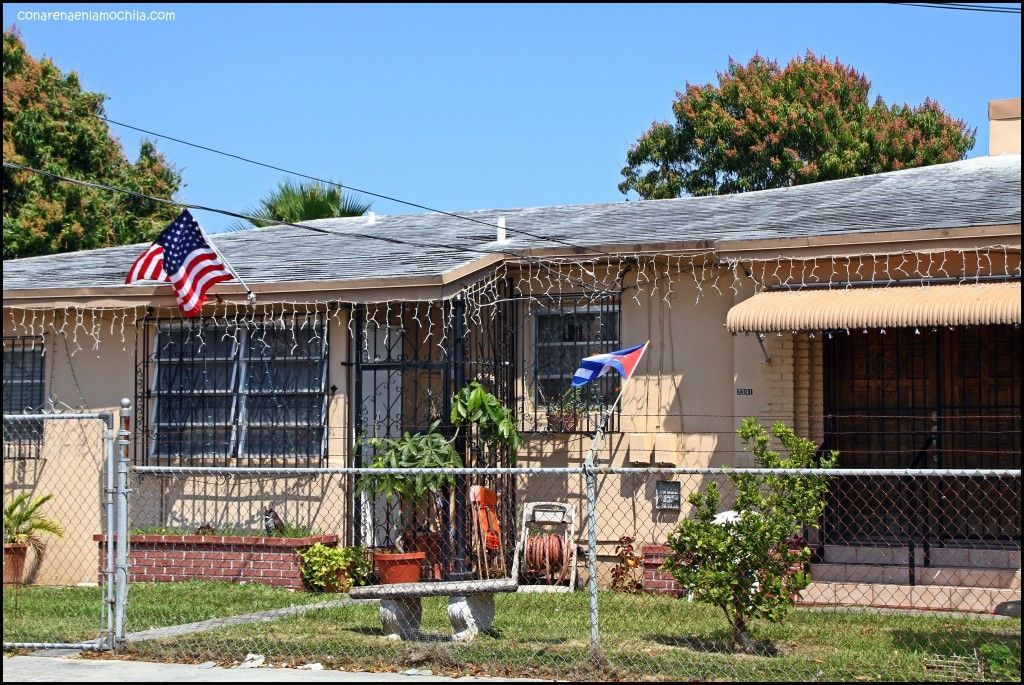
(750, 565)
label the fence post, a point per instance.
(109, 509)
(121, 538)
(595, 646)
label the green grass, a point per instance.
(74, 614)
(539, 635)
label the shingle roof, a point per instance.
(975, 192)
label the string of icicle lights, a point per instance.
(588, 281)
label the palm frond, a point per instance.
(294, 202)
(24, 523)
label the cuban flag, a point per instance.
(623, 361)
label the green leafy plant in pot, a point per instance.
(427, 450)
(488, 420)
(567, 413)
(334, 569)
(23, 526)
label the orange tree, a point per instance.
(765, 126)
(749, 565)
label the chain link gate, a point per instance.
(59, 510)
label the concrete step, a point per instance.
(891, 574)
(920, 598)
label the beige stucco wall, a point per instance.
(73, 453)
(682, 409)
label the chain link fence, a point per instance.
(570, 573)
(58, 497)
(565, 572)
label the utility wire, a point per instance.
(963, 7)
(238, 215)
(345, 187)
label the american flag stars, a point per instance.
(181, 256)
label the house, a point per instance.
(879, 315)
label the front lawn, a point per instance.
(538, 635)
(75, 614)
(642, 637)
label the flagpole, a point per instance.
(591, 475)
(249, 294)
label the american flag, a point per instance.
(181, 256)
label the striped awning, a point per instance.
(879, 307)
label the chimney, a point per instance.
(371, 218)
(1004, 127)
(502, 235)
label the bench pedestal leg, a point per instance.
(400, 618)
(470, 614)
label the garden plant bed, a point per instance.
(236, 558)
(642, 637)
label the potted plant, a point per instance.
(23, 525)
(566, 413)
(428, 450)
(495, 425)
(334, 569)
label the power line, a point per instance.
(238, 215)
(345, 187)
(962, 7)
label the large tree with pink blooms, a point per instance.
(765, 126)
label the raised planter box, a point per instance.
(232, 558)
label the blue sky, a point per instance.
(473, 107)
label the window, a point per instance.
(566, 332)
(24, 393)
(238, 397)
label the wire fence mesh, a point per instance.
(56, 499)
(288, 567)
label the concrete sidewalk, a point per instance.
(64, 669)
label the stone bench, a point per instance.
(470, 605)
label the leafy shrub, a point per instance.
(322, 566)
(750, 564)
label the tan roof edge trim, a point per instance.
(892, 307)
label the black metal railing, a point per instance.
(249, 392)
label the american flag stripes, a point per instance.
(182, 257)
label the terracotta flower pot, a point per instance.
(399, 568)
(14, 562)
